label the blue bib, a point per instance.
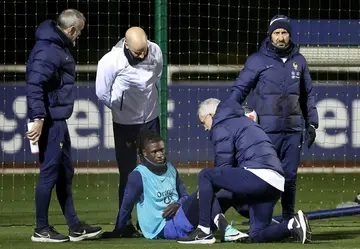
(159, 191)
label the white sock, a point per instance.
(204, 229)
(216, 220)
(290, 224)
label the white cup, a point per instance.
(33, 147)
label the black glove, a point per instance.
(170, 210)
(311, 135)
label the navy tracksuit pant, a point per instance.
(125, 149)
(56, 168)
(288, 148)
(248, 189)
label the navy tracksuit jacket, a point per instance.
(283, 97)
(50, 78)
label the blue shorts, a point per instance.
(177, 227)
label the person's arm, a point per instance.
(106, 73)
(132, 194)
(171, 210)
(307, 99)
(308, 107)
(181, 189)
(223, 147)
(246, 80)
(38, 72)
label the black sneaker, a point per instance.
(129, 231)
(301, 228)
(197, 237)
(48, 234)
(83, 231)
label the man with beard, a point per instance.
(280, 90)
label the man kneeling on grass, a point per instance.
(164, 209)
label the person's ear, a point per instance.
(72, 31)
(144, 152)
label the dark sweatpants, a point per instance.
(55, 168)
(125, 149)
(191, 209)
(248, 189)
(288, 148)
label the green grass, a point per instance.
(96, 203)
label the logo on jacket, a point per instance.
(295, 66)
(295, 74)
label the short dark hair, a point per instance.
(145, 137)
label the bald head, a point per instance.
(136, 41)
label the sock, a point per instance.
(204, 229)
(129, 222)
(290, 224)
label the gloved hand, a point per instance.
(170, 210)
(310, 135)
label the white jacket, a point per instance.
(131, 92)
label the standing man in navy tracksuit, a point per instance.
(50, 78)
(127, 82)
(245, 164)
(282, 95)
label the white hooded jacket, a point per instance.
(131, 92)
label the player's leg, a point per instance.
(227, 200)
(190, 208)
(290, 154)
(263, 231)
(154, 125)
(77, 230)
(126, 157)
(260, 229)
(49, 156)
(64, 182)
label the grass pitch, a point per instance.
(95, 198)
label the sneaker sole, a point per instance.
(303, 225)
(203, 242)
(85, 236)
(47, 240)
(238, 237)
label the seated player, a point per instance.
(245, 164)
(164, 209)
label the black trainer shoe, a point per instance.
(48, 234)
(301, 228)
(129, 231)
(197, 237)
(222, 222)
(83, 231)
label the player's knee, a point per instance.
(204, 173)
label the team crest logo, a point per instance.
(295, 65)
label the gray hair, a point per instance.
(70, 18)
(208, 106)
